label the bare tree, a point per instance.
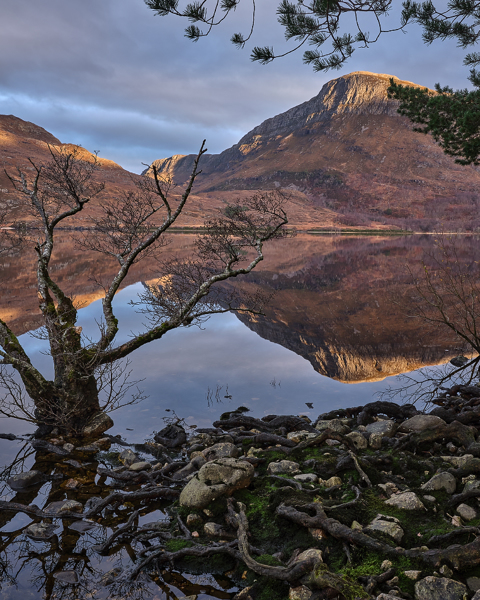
(128, 229)
(445, 295)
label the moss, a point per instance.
(176, 545)
(268, 559)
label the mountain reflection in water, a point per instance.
(333, 306)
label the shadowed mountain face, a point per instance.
(347, 150)
(334, 301)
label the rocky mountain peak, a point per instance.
(360, 92)
(19, 127)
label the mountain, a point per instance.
(346, 152)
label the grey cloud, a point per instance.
(111, 76)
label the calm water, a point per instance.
(332, 321)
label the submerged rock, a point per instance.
(41, 531)
(97, 425)
(22, 481)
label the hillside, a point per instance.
(351, 157)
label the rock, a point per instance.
(360, 442)
(473, 583)
(356, 525)
(41, 531)
(22, 481)
(103, 443)
(333, 424)
(301, 436)
(441, 481)
(445, 571)
(140, 466)
(66, 576)
(386, 564)
(406, 500)
(283, 467)
(171, 436)
(317, 533)
(215, 479)
(387, 525)
(332, 482)
(128, 457)
(310, 553)
(306, 477)
(90, 449)
(64, 506)
(221, 450)
(420, 423)
(436, 588)
(459, 461)
(213, 529)
(413, 575)
(386, 597)
(82, 526)
(385, 428)
(375, 441)
(72, 484)
(68, 447)
(466, 512)
(459, 361)
(389, 488)
(192, 597)
(429, 498)
(476, 596)
(301, 592)
(97, 425)
(194, 520)
(471, 485)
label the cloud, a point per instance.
(111, 76)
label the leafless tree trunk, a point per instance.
(130, 228)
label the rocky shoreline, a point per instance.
(379, 501)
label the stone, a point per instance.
(429, 498)
(128, 457)
(434, 588)
(310, 553)
(306, 477)
(413, 575)
(473, 583)
(41, 531)
(72, 484)
(387, 597)
(476, 596)
(97, 425)
(171, 436)
(441, 481)
(82, 526)
(375, 441)
(466, 512)
(384, 428)
(283, 467)
(213, 529)
(301, 436)
(194, 520)
(406, 500)
(21, 481)
(386, 564)
(68, 447)
(360, 441)
(215, 479)
(445, 571)
(103, 443)
(388, 526)
(332, 482)
(333, 424)
(140, 466)
(301, 592)
(62, 506)
(473, 484)
(221, 450)
(192, 597)
(356, 525)
(317, 533)
(90, 449)
(459, 461)
(66, 576)
(420, 423)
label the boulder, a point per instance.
(420, 423)
(360, 441)
(128, 457)
(384, 428)
(97, 425)
(171, 436)
(333, 424)
(22, 481)
(63, 506)
(441, 481)
(300, 592)
(216, 478)
(221, 450)
(436, 588)
(461, 462)
(41, 531)
(301, 436)
(283, 467)
(406, 500)
(387, 525)
(466, 512)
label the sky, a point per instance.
(113, 77)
